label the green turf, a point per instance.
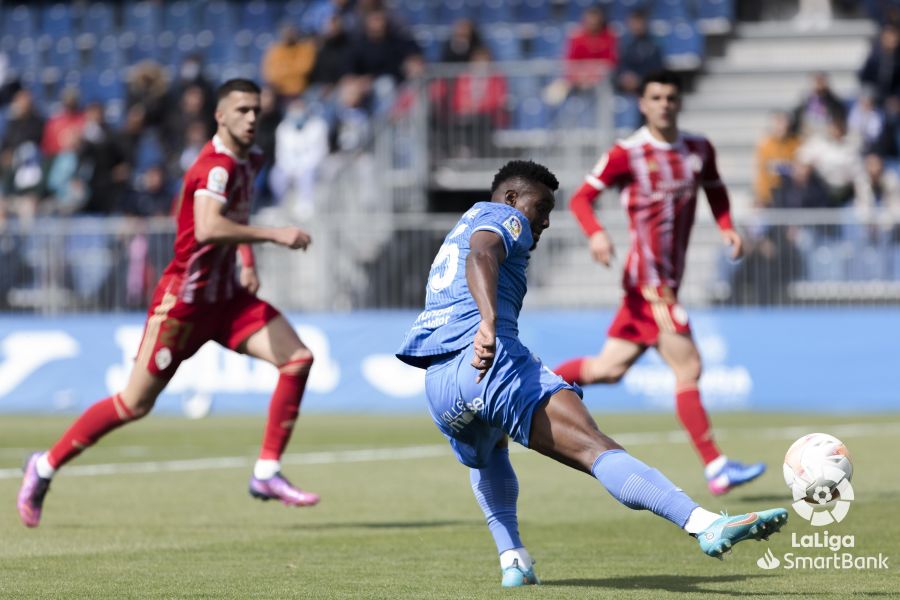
(411, 528)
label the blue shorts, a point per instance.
(475, 416)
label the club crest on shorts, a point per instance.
(513, 226)
(217, 180)
(163, 358)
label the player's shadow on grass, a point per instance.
(672, 583)
(778, 499)
(389, 524)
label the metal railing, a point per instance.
(381, 260)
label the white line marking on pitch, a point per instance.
(413, 452)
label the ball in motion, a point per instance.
(814, 466)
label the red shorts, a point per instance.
(175, 330)
(646, 312)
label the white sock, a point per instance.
(714, 466)
(264, 469)
(700, 520)
(43, 468)
(509, 556)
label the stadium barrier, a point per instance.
(817, 360)
(371, 259)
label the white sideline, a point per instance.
(848, 430)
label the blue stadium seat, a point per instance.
(102, 85)
(715, 16)
(218, 17)
(145, 47)
(57, 20)
(534, 11)
(503, 43)
(98, 19)
(529, 111)
(25, 56)
(669, 10)
(21, 21)
(575, 8)
(259, 15)
(431, 46)
(683, 47)
(453, 10)
(142, 17)
(106, 54)
(550, 42)
(293, 10)
(618, 11)
(416, 12)
(179, 17)
(495, 11)
(62, 54)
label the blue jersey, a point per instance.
(451, 317)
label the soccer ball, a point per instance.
(814, 466)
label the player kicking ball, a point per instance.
(201, 298)
(659, 170)
(479, 400)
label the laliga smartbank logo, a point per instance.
(825, 504)
(837, 557)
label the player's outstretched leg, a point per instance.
(564, 430)
(98, 420)
(496, 488)
(277, 343)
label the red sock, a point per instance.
(98, 420)
(284, 407)
(571, 371)
(693, 416)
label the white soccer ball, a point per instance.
(814, 466)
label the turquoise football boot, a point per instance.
(515, 576)
(718, 538)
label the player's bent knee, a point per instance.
(300, 361)
(137, 407)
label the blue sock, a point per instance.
(638, 486)
(497, 489)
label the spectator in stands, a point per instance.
(9, 80)
(270, 116)
(102, 163)
(148, 86)
(190, 109)
(865, 121)
(639, 54)
(888, 145)
(64, 191)
(196, 136)
(149, 196)
(301, 144)
(64, 125)
(801, 187)
(881, 70)
(836, 160)
(25, 124)
(381, 50)
(478, 106)
(318, 17)
(591, 51)
(774, 154)
(334, 55)
(463, 41)
(350, 126)
(190, 74)
(288, 62)
(819, 108)
(877, 190)
(813, 14)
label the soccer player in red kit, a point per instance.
(200, 297)
(658, 170)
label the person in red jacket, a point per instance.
(659, 170)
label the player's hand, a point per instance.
(485, 349)
(733, 238)
(249, 279)
(602, 248)
(292, 237)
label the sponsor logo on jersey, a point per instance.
(513, 226)
(217, 180)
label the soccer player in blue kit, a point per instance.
(479, 400)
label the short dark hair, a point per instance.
(236, 85)
(525, 169)
(664, 77)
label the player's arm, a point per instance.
(213, 227)
(612, 168)
(717, 196)
(249, 278)
(487, 252)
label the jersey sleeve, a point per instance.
(511, 227)
(215, 180)
(612, 169)
(716, 194)
(709, 175)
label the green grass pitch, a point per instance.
(398, 519)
